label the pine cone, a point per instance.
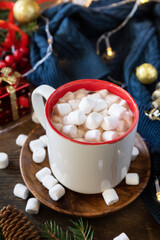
(16, 226)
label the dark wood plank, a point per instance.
(135, 219)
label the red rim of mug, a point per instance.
(91, 85)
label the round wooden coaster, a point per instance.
(84, 205)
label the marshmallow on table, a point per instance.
(49, 181)
(132, 179)
(37, 143)
(100, 104)
(21, 191)
(110, 196)
(56, 192)
(86, 105)
(32, 206)
(34, 118)
(42, 173)
(122, 126)
(20, 140)
(39, 155)
(76, 118)
(69, 131)
(122, 236)
(103, 93)
(74, 103)
(109, 135)
(44, 139)
(93, 136)
(3, 160)
(68, 96)
(94, 120)
(109, 123)
(117, 111)
(135, 153)
(62, 109)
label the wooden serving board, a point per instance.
(84, 205)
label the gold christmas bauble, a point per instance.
(146, 73)
(26, 11)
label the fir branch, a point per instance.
(50, 230)
(81, 230)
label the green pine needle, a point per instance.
(50, 230)
(81, 230)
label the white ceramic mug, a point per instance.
(81, 166)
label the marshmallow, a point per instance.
(62, 109)
(93, 136)
(49, 181)
(76, 118)
(103, 93)
(100, 104)
(80, 93)
(44, 139)
(86, 105)
(56, 119)
(94, 120)
(124, 104)
(104, 113)
(109, 123)
(132, 179)
(74, 103)
(58, 126)
(32, 206)
(128, 117)
(56, 192)
(135, 153)
(68, 96)
(42, 173)
(80, 139)
(39, 155)
(109, 135)
(37, 143)
(112, 98)
(3, 160)
(110, 196)
(69, 131)
(80, 133)
(122, 236)
(94, 96)
(20, 140)
(122, 126)
(117, 111)
(34, 118)
(21, 191)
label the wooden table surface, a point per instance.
(135, 219)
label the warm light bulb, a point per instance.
(110, 53)
(158, 196)
(143, 1)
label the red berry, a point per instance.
(13, 65)
(9, 59)
(3, 64)
(23, 62)
(24, 51)
(17, 55)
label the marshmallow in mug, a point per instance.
(92, 111)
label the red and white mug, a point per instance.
(82, 166)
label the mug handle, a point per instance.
(43, 91)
